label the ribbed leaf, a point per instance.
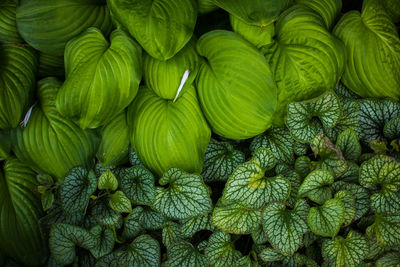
(206, 6)
(8, 26)
(144, 251)
(220, 251)
(390, 259)
(235, 85)
(162, 27)
(50, 142)
(184, 254)
(327, 9)
(102, 77)
(392, 7)
(325, 220)
(5, 145)
(51, 65)
(372, 30)
(40, 24)
(316, 186)
(386, 229)
(20, 211)
(168, 134)
(138, 185)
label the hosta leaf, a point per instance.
(389, 260)
(234, 84)
(249, 186)
(316, 186)
(39, 24)
(328, 9)
(120, 203)
(279, 141)
(384, 172)
(349, 251)
(206, 6)
(65, 237)
(271, 255)
(144, 251)
(105, 243)
(50, 142)
(184, 254)
(8, 26)
(104, 215)
(51, 65)
(195, 224)
(185, 197)
(78, 186)
(220, 161)
(300, 119)
(285, 228)
(5, 145)
(162, 27)
(114, 145)
(235, 218)
(391, 130)
(220, 251)
(132, 226)
(348, 201)
(17, 82)
(90, 95)
(107, 180)
(138, 185)
(348, 143)
(326, 219)
(171, 233)
(386, 228)
(20, 211)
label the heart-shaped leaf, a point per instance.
(184, 254)
(316, 186)
(348, 143)
(120, 203)
(107, 180)
(171, 233)
(105, 243)
(220, 251)
(195, 224)
(326, 219)
(386, 228)
(348, 201)
(138, 185)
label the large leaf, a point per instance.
(40, 24)
(316, 186)
(17, 81)
(325, 220)
(102, 77)
(20, 211)
(168, 134)
(370, 30)
(235, 85)
(392, 7)
(51, 65)
(8, 25)
(162, 27)
(50, 142)
(5, 145)
(138, 185)
(328, 9)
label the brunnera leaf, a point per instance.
(316, 186)
(220, 251)
(107, 180)
(138, 185)
(184, 254)
(120, 203)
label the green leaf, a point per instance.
(285, 228)
(133, 158)
(78, 186)
(185, 197)
(8, 25)
(47, 199)
(161, 27)
(386, 228)
(301, 118)
(295, 181)
(105, 243)
(195, 224)
(279, 141)
(184, 254)
(20, 211)
(234, 83)
(327, 219)
(348, 143)
(384, 172)
(351, 174)
(234, 218)
(316, 186)
(221, 159)
(271, 255)
(391, 130)
(142, 252)
(328, 9)
(64, 238)
(120, 203)
(349, 251)
(107, 180)
(348, 201)
(171, 234)
(220, 251)
(51, 65)
(40, 26)
(249, 186)
(303, 166)
(389, 260)
(104, 215)
(304, 260)
(258, 236)
(138, 185)
(5, 145)
(87, 96)
(132, 226)
(150, 219)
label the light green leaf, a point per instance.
(171, 234)
(327, 9)
(220, 161)
(386, 228)
(184, 254)
(20, 211)
(132, 226)
(348, 201)
(384, 172)
(249, 186)
(47, 199)
(8, 26)
(105, 243)
(301, 119)
(234, 84)
(162, 27)
(185, 197)
(138, 185)
(235, 218)
(120, 203)
(271, 255)
(285, 228)
(348, 143)
(391, 130)
(78, 186)
(90, 95)
(327, 219)
(144, 251)
(220, 251)
(39, 23)
(206, 6)
(107, 180)
(389, 260)
(316, 186)
(104, 215)
(195, 224)
(349, 251)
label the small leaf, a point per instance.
(220, 251)
(104, 215)
(195, 224)
(348, 201)
(45, 179)
(349, 145)
(134, 159)
(391, 259)
(142, 252)
(304, 260)
(171, 233)
(105, 243)
(107, 180)
(386, 228)
(316, 186)
(75, 192)
(185, 197)
(271, 255)
(391, 130)
(47, 199)
(285, 228)
(343, 252)
(326, 219)
(120, 203)
(184, 254)
(138, 185)
(235, 218)
(220, 161)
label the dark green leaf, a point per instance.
(386, 228)
(105, 243)
(316, 186)
(389, 260)
(348, 201)
(47, 199)
(349, 145)
(271, 255)
(220, 251)
(142, 252)
(184, 254)
(195, 224)
(138, 185)
(171, 233)
(104, 215)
